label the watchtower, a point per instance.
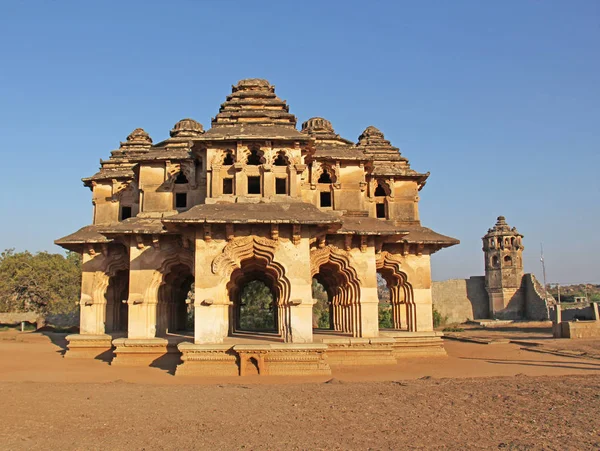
(503, 249)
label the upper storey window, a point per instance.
(325, 177)
(228, 160)
(181, 179)
(254, 158)
(125, 212)
(281, 160)
(380, 191)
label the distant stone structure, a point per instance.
(253, 199)
(505, 292)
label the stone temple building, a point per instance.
(254, 198)
(505, 292)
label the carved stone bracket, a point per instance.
(347, 242)
(405, 248)
(296, 234)
(229, 232)
(207, 233)
(274, 232)
(363, 243)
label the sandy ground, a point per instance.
(479, 397)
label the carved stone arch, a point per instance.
(332, 170)
(188, 168)
(117, 261)
(384, 185)
(401, 290)
(279, 155)
(182, 257)
(128, 195)
(251, 151)
(245, 256)
(217, 158)
(121, 187)
(343, 286)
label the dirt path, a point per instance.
(53, 403)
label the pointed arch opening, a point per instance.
(116, 295)
(332, 269)
(175, 309)
(401, 300)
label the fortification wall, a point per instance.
(536, 307)
(461, 299)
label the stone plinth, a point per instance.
(253, 359)
(207, 360)
(142, 351)
(416, 344)
(284, 359)
(87, 346)
(360, 351)
(577, 329)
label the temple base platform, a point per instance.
(265, 359)
(88, 346)
(261, 354)
(143, 351)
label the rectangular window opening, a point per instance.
(281, 186)
(380, 209)
(253, 185)
(125, 213)
(227, 186)
(325, 199)
(180, 200)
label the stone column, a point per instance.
(142, 311)
(420, 313)
(296, 258)
(268, 181)
(211, 304)
(366, 268)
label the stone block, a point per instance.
(87, 346)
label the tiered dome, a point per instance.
(187, 128)
(138, 139)
(253, 102)
(322, 130)
(373, 142)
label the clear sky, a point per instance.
(499, 100)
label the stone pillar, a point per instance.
(211, 304)
(366, 268)
(296, 258)
(420, 308)
(142, 311)
(216, 185)
(268, 181)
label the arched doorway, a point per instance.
(385, 310)
(322, 308)
(401, 306)
(117, 293)
(333, 271)
(255, 293)
(175, 309)
(256, 307)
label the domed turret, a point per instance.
(187, 128)
(316, 125)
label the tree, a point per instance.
(257, 307)
(41, 282)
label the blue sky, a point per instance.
(499, 100)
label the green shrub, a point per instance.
(438, 319)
